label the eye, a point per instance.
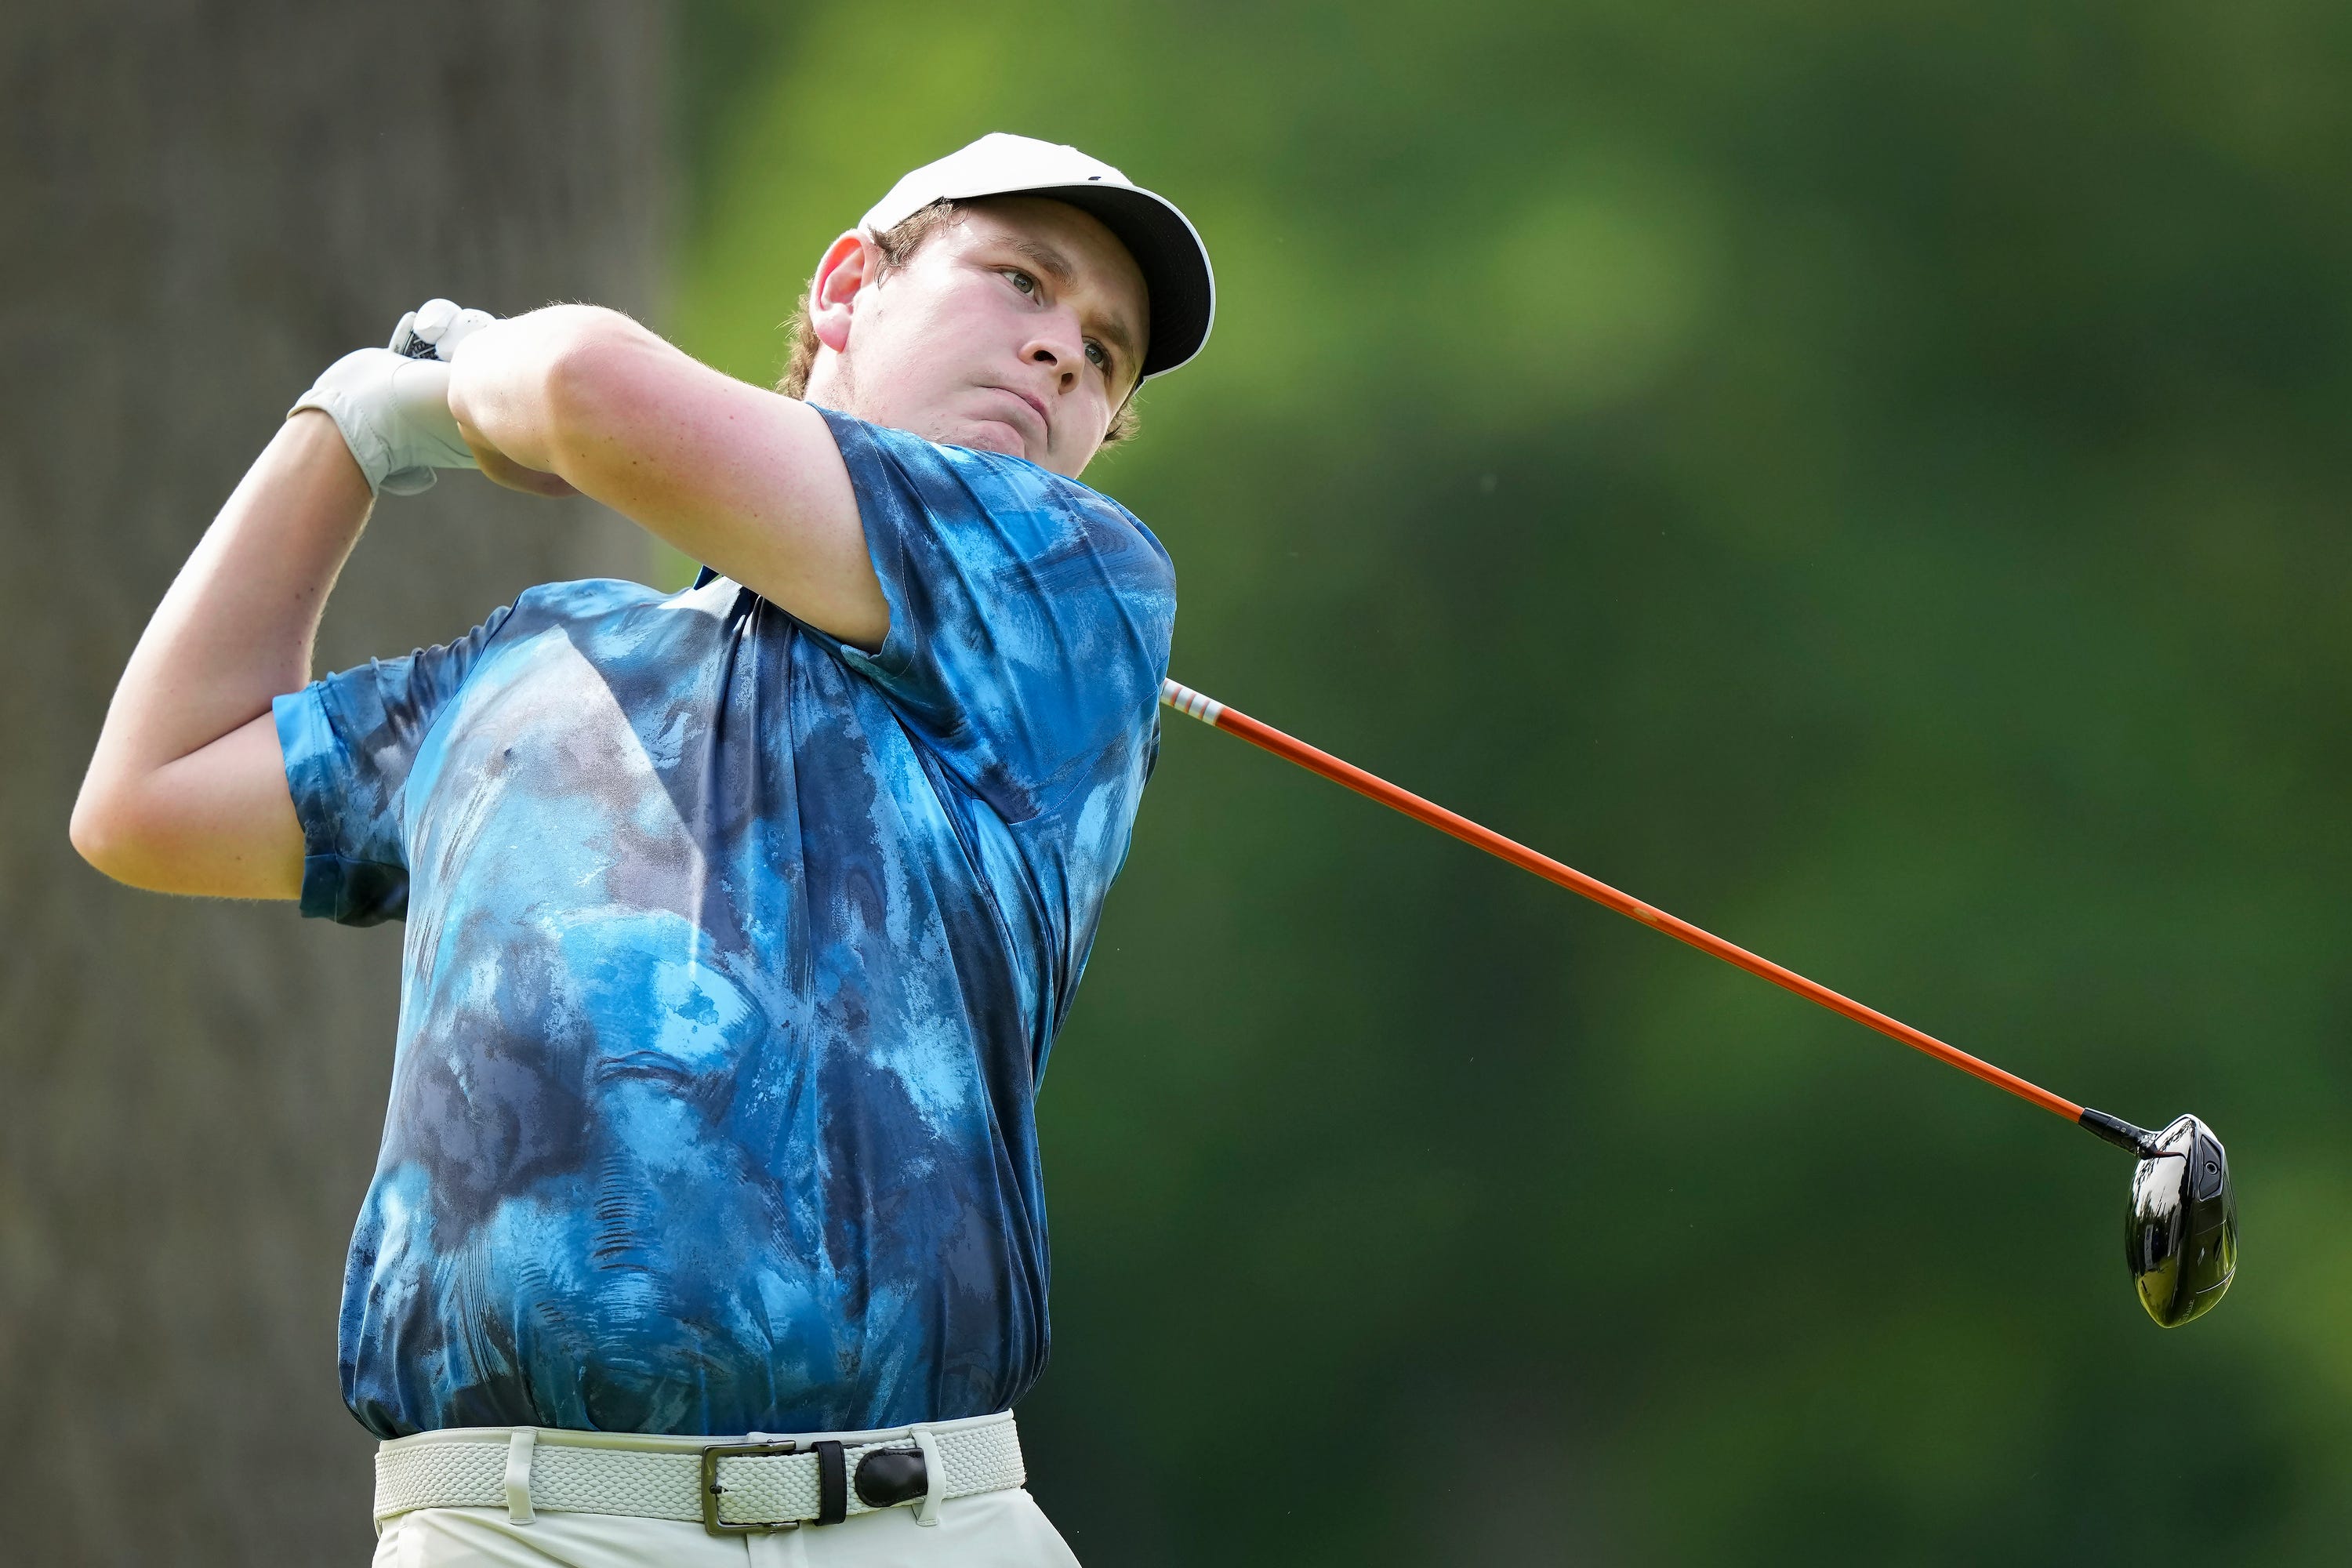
(1021, 281)
(1096, 357)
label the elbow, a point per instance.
(101, 833)
(119, 831)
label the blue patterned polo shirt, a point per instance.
(732, 957)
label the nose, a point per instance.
(1058, 348)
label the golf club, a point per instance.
(2180, 1234)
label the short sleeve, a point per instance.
(1030, 616)
(347, 742)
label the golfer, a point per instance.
(709, 1225)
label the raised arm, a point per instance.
(186, 790)
(746, 480)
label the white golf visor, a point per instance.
(1166, 247)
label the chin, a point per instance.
(990, 436)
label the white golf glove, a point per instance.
(435, 328)
(392, 405)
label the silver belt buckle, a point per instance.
(713, 1491)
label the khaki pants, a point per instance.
(994, 1529)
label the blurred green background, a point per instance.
(1870, 480)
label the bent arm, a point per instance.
(186, 790)
(746, 480)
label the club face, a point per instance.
(2182, 1236)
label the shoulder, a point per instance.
(897, 470)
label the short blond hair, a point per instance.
(897, 244)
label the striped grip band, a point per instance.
(1186, 700)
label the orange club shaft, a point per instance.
(1186, 700)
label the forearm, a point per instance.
(235, 630)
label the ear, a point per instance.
(849, 264)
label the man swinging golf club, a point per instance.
(739, 920)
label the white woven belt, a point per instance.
(726, 1485)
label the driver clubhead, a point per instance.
(2180, 1238)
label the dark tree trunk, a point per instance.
(201, 204)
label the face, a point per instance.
(1017, 328)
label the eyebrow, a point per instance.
(1056, 266)
(1050, 261)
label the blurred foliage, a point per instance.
(1870, 480)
